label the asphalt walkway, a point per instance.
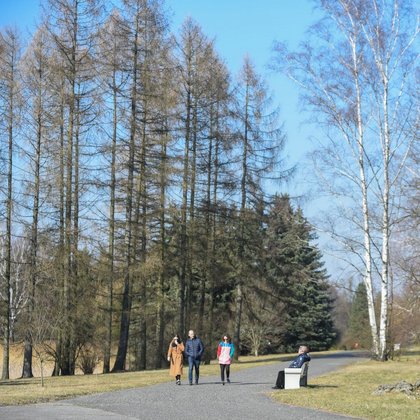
(246, 397)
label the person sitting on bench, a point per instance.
(297, 362)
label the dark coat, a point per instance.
(194, 348)
(300, 360)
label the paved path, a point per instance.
(246, 397)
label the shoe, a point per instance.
(228, 380)
(178, 382)
(275, 387)
(223, 382)
(190, 383)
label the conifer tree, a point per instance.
(297, 279)
(359, 329)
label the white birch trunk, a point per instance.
(365, 209)
(383, 330)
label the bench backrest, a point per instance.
(304, 374)
(304, 369)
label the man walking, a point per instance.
(193, 349)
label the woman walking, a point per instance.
(175, 358)
(225, 352)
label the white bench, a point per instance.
(296, 377)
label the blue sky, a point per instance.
(239, 27)
(243, 27)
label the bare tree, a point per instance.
(260, 138)
(9, 92)
(45, 324)
(144, 26)
(19, 289)
(36, 74)
(113, 81)
(71, 27)
(355, 76)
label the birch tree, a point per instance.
(356, 75)
(390, 39)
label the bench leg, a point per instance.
(292, 381)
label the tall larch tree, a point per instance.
(36, 76)
(10, 51)
(71, 24)
(260, 139)
(192, 47)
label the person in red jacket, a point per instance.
(225, 352)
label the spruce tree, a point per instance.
(298, 279)
(358, 333)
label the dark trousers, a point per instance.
(224, 368)
(280, 380)
(192, 362)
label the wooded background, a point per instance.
(138, 195)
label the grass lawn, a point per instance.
(349, 390)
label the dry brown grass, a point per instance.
(16, 361)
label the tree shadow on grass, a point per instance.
(19, 382)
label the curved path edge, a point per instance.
(246, 397)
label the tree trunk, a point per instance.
(239, 291)
(383, 328)
(9, 98)
(160, 312)
(27, 357)
(365, 208)
(111, 235)
(119, 364)
(62, 234)
(184, 239)
(7, 274)
(212, 237)
(140, 236)
(191, 222)
(205, 278)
